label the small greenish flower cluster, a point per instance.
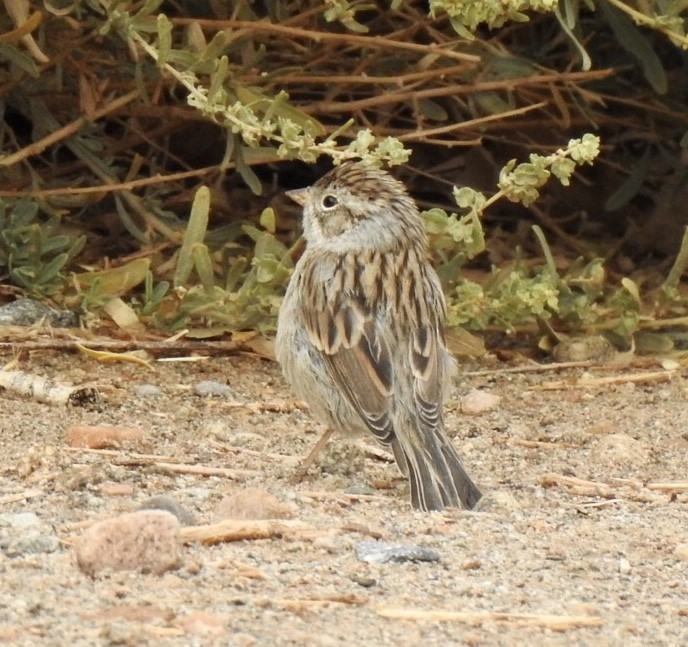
(466, 15)
(520, 183)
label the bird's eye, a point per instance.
(329, 201)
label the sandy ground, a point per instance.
(582, 538)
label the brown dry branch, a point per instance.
(649, 377)
(240, 530)
(154, 347)
(534, 368)
(297, 605)
(579, 486)
(205, 470)
(169, 464)
(156, 179)
(540, 620)
(540, 444)
(68, 130)
(371, 42)
(342, 496)
(616, 489)
(21, 496)
(670, 487)
(453, 90)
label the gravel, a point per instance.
(580, 540)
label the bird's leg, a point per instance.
(307, 462)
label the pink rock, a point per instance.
(102, 436)
(147, 540)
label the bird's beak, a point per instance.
(299, 196)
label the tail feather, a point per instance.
(436, 475)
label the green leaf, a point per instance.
(217, 79)
(164, 39)
(637, 45)
(49, 272)
(247, 174)
(564, 23)
(204, 267)
(194, 234)
(432, 110)
(267, 220)
(629, 189)
(116, 281)
(15, 56)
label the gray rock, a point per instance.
(23, 533)
(26, 312)
(380, 552)
(213, 389)
(32, 544)
(164, 502)
(147, 391)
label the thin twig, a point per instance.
(183, 346)
(544, 620)
(597, 382)
(455, 89)
(372, 42)
(68, 130)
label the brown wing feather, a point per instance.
(359, 360)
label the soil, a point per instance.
(581, 539)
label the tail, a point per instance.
(436, 475)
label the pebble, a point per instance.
(213, 389)
(23, 533)
(147, 391)
(477, 402)
(147, 540)
(164, 502)
(380, 552)
(366, 581)
(32, 545)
